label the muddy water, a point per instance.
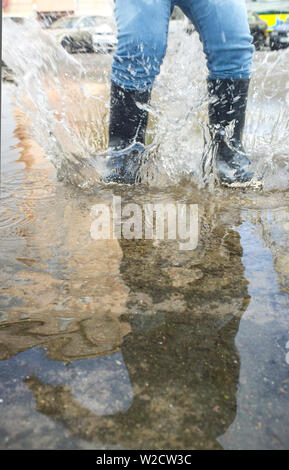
(135, 343)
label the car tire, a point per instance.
(67, 44)
(274, 46)
(89, 48)
(259, 41)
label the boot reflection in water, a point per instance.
(184, 309)
(142, 41)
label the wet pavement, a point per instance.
(135, 343)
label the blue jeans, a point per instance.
(142, 25)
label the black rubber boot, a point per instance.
(228, 100)
(127, 128)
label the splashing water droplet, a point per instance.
(70, 123)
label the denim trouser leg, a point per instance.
(225, 34)
(142, 41)
(142, 38)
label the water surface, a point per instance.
(136, 344)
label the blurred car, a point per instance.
(16, 18)
(279, 37)
(273, 12)
(84, 33)
(258, 28)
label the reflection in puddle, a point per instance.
(176, 334)
(262, 396)
(135, 343)
(101, 385)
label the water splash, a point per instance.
(70, 123)
(182, 99)
(66, 120)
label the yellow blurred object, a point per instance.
(273, 19)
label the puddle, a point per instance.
(135, 343)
